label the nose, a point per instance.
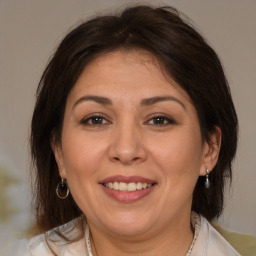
(127, 144)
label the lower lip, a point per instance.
(127, 197)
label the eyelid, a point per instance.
(170, 119)
(84, 120)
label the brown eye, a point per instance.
(95, 120)
(161, 120)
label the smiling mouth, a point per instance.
(128, 187)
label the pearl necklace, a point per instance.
(196, 223)
(87, 239)
(195, 220)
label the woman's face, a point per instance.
(131, 147)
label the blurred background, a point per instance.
(30, 30)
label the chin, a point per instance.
(129, 230)
(128, 225)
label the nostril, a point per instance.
(126, 153)
(132, 160)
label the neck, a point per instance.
(171, 240)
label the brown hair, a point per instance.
(187, 58)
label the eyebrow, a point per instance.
(154, 100)
(145, 102)
(98, 99)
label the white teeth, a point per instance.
(144, 185)
(123, 186)
(131, 186)
(127, 187)
(139, 185)
(116, 186)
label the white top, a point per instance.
(208, 243)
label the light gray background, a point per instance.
(31, 29)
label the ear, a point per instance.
(211, 151)
(57, 151)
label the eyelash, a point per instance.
(89, 120)
(162, 118)
(103, 121)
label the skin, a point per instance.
(129, 140)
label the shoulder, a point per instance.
(38, 246)
(243, 243)
(211, 243)
(53, 242)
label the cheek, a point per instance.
(81, 162)
(80, 155)
(179, 154)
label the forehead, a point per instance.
(122, 71)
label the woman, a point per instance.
(133, 135)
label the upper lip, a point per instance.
(127, 179)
